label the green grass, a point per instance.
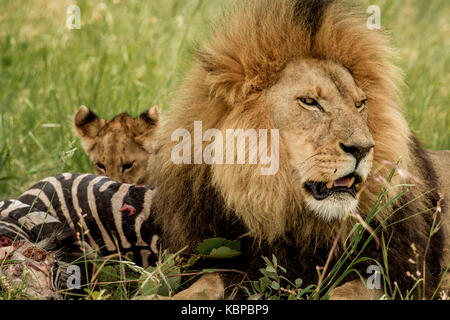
(130, 55)
(127, 56)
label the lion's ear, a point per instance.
(150, 118)
(87, 123)
(145, 126)
(87, 126)
(225, 75)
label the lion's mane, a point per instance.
(244, 57)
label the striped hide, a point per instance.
(79, 215)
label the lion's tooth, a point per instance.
(351, 182)
(330, 184)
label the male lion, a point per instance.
(119, 148)
(312, 70)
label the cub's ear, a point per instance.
(150, 117)
(87, 126)
(145, 127)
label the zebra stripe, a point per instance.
(13, 206)
(106, 185)
(35, 219)
(62, 201)
(40, 194)
(145, 254)
(143, 217)
(116, 202)
(155, 239)
(78, 210)
(58, 211)
(93, 207)
(12, 229)
(67, 176)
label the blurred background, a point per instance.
(129, 55)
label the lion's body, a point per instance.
(265, 55)
(119, 148)
(441, 161)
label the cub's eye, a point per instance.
(310, 102)
(100, 166)
(127, 166)
(360, 104)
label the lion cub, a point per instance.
(119, 148)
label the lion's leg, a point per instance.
(355, 290)
(445, 287)
(209, 287)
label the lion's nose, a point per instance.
(358, 151)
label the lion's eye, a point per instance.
(127, 166)
(100, 166)
(360, 104)
(310, 102)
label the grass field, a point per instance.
(131, 55)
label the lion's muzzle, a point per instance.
(322, 190)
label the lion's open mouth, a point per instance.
(322, 190)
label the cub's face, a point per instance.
(119, 148)
(323, 121)
(119, 157)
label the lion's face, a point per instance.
(322, 117)
(119, 148)
(118, 156)
(257, 72)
